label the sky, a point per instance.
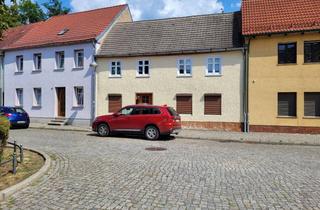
(155, 9)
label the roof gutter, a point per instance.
(204, 50)
(282, 32)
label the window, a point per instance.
(60, 60)
(145, 111)
(19, 97)
(287, 53)
(78, 91)
(115, 103)
(78, 58)
(144, 98)
(312, 52)
(126, 111)
(212, 104)
(19, 62)
(37, 97)
(312, 104)
(184, 67)
(214, 66)
(37, 62)
(115, 70)
(143, 68)
(287, 104)
(184, 104)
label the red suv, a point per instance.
(152, 121)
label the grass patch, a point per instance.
(32, 162)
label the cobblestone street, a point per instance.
(89, 172)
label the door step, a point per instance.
(59, 121)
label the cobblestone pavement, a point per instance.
(89, 172)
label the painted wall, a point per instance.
(48, 79)
(1, 78)
(267, 78)
(165, 84)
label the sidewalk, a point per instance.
(222, 136)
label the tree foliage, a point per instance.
(9, 15)
(55, 7)
(30, 12)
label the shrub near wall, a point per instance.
(4, 133)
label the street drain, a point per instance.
(156, 148)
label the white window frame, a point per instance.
(76, 58)
(19, 63)
(37, 59)
(185, 74)
(37, 99)
(116, 65)
(143, 68)
(77, 101)
(58, 60)
(19, 100)
(214, 63)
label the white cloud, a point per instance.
(236, 5)
(143, 9)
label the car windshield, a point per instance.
(172, 111)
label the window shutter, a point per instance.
(287, 104)
(212, 104)
(184, 104)
(312, 104)
(115, 103)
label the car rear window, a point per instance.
(172, 111)
(19, 110)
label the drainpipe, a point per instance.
(1, 78)
(93, 65)
(246, 89)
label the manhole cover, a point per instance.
(156, 148)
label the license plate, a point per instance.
(21, 122)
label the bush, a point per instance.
(4, 133)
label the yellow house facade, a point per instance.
(268, 78)
(283, 65)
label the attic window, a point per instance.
(62, 32)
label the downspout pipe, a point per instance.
(93, 65)
(246, 88)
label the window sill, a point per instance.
(312, 118)
(311, 63)
(213, 75)
(77, 68)
(184, 76)
(36, 106)
(36, 70)
(115, 76)
(143, 76)
(77, 107)
(185, 114)
(18, 72)
(287, 64)
(58, 69)
(287, 117)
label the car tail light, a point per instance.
(8, 114)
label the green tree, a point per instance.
(30, 12)
(55, 7)
(9, 15)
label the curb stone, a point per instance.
(6, 193)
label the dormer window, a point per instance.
(63, 31)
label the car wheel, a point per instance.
(103, 130)
(26, 126)
(151, 133)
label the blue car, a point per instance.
(16, 115)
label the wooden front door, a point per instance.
(144, 98)
(61, 103)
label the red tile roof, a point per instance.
(82, 26)
(279, 16)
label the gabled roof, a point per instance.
(279, 16)
(174, 36)
(79, 27)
